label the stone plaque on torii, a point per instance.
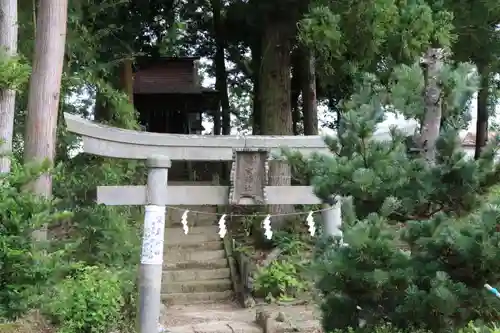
(249, 185)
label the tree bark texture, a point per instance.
(431, 63)
(256, 102)
(309, 100)
(275, 97)
(220, 66)
(102, 112)
(295, 93)
(44, 91)
(482, 112)
(8, 44)
(127, 79)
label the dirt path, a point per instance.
(231, 318)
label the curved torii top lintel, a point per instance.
(110, 141)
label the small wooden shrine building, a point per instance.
(169, 97)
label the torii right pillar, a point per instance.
(332, 217)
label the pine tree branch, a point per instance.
(363, 152)
(400, 217)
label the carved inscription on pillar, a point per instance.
(249, 176)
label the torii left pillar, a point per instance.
(152, 245)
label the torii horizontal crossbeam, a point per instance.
(202, 195)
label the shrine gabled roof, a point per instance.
(152, 61)
(167, 75)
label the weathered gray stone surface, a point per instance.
(108, 141)
(193, 264)
(196, 298)
(229, 316)
(196, 274)
(195, 268)
(113, 142)
(218, 327)
(198, 254)
(202, 195)
(195, 235)
(249, 178)
(286, 320)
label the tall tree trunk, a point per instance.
(309, 101)
(256, 108)
(482, 112)
(333, 107)
(432, 63)
(295, 93)
(275, 96)
(8, 44)
(102, 113)
(220, 66)
(217, 120)
(44, 91)
(127, 79)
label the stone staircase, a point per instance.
(196, 269)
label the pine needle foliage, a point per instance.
(421, 241)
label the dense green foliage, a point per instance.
(58, 277)
(88, 300)
(287, 277)
(15, 72)
(92, 256)
(387, 176)
(281, 279)
(25, 270)
(419, 250)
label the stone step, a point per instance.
(194, 218)
(181, 256)
(205, 246)
(196, 286)
(196, 275)
(176, 236)
(209, 297)
(208, 264)
(195, 230)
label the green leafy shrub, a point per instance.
(100, 235)
(97, 235)
(292, 243)
(89, 300)
(15, 71)
(130, 294)
(106, 235)
(382, 328)
(280, 280)
(480, 328)
(388, 328)
(26, 269)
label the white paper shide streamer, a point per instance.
(154, 229)
(184, 221)
(310, 223)
(222, 226)
(266, 224)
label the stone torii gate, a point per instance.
(249, 178)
